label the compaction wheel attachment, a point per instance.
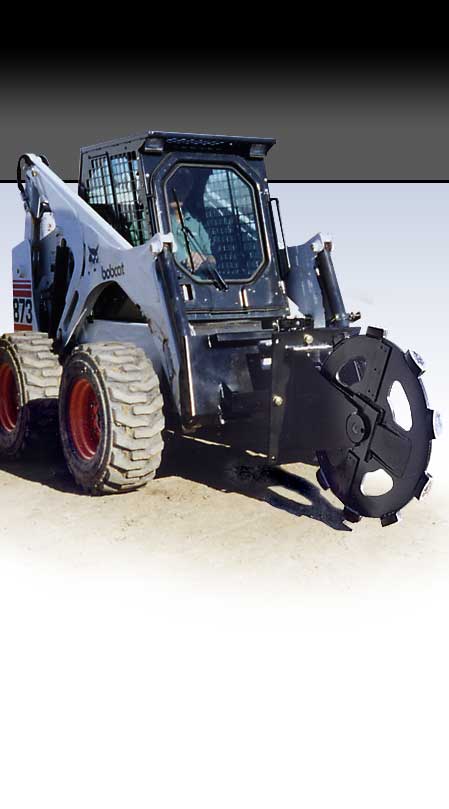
(391, 428)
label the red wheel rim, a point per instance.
(84, 419)
(9, 398)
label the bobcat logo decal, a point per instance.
(93, 254)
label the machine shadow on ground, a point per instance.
(219, 467)
(228, 470)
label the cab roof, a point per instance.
(158, 141)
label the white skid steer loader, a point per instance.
(163, 295)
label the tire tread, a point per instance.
(40, 372)
(137, 419)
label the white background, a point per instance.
(119, 691)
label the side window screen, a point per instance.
(214, 219)
(112, 190)
(99, 187)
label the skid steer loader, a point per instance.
(163, 296)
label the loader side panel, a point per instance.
(24, 311)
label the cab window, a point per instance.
(214, 219)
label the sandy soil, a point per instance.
(212, 519)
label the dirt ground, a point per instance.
(212, 519)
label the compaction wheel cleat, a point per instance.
(391, 519)
(350, 515)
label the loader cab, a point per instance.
(211, 191)
(212, 194)
(223, 285)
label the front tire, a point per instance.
(110, 417)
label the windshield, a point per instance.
(214, 221)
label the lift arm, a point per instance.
(56, 217)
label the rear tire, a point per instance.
(110, 417)
(29, 385)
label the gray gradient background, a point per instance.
(352, 116)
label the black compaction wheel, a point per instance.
(387, 465)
